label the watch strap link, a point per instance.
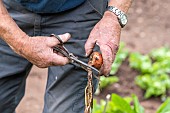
(120, 15)
(116, 11)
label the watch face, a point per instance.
(124, 19)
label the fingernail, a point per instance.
(68, 34)
(86, 55)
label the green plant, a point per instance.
(160, 53)
(154, 85)
(165, 107)
(118, 104)
(154, 70)
(140, 62)
(105, 81)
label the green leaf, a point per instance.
(143, 81)
(160, 53)
(154, 76)
(160, 67)
(105, 81)
(165, 107)
(128, 99)
(154, 85)
(140, 62)
(121, 104)
(98, 108)
(137, 107)
(118, 104)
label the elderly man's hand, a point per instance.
(106, 34)
(38, 50)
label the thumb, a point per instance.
(53, 41)
(65, 37)
(89, 45)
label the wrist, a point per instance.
(121, 16)
(123, 5)
(20, 45)
(111, 15)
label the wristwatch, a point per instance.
(120, 15)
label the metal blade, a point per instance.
(85, 65)
(61, 50)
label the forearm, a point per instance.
(123, 5)
(9, 30)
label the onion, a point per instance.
(96, 60)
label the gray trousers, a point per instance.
(65, 84)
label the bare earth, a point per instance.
(148, 28)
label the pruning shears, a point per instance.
(73, 59)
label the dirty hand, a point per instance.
(106, 34)
(38, 50)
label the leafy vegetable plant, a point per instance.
(154, 85)
(118, 104)
(160, 54)
(105, 81)
(140, 62)
(165, 107)
(154, 69)
(161, 57)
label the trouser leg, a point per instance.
(66, 84)
(13, 73)
(14, 68)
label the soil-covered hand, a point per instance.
(38, 50)
(106, 34)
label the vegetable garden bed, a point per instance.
(155, 79)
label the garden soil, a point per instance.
(148, 28)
